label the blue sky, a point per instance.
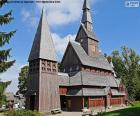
(114, 25)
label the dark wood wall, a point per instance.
(96, 102)
(48, 86)
(70, 62)
(33, 85)
(82, 39)
(48, 94)
(43, 86)
(75, 103)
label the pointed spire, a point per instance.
(86, 5)
(43, 46)
(86, 18)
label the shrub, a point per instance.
(22, 113)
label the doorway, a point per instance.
(32, 102)
(86, 104)
(63, 102)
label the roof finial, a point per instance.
(86, 18)
(43, 9)
(69, 38)
(86, 5)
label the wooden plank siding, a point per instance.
(116, 101)
(75, 103)
(97, 102)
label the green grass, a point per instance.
(131, 111)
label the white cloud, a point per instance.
(25, 14)
(62, 42)
(29, 17)
(58, 14)
(65, 12)
(11, 75)
(62, 13)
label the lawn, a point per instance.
(131, 111)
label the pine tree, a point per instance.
(4, 39)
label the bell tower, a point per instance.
(42, 83)
(86, 36)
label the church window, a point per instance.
(49, 64)
(54, 67)
(48, 69)
(43, 66)
(54, 70)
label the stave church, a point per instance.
(86, 78)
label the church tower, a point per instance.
(86, 37)
(42, 84)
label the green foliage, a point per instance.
(22, 113)
(59, 66)
(4, 39)
(131, 111)
(6, 18)
(22, 84)
(3, 86)
(127, 67)
(2, 100)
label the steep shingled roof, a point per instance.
(86, 5)
(87, 92)
(43, 46)
(89, 34)
(87, 78)
(86, 13)
(97, 61)
(115, 92)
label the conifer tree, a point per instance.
(5, 37)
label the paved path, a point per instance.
(69, 114)
(80, 113)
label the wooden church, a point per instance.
(86, 78)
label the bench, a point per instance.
(56, 111)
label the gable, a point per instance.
(70, 58)
(81, 34)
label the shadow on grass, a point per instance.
(133, 111)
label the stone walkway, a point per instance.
(80, 113)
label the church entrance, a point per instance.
(32, 102)
(63, 102)
(86, 104)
